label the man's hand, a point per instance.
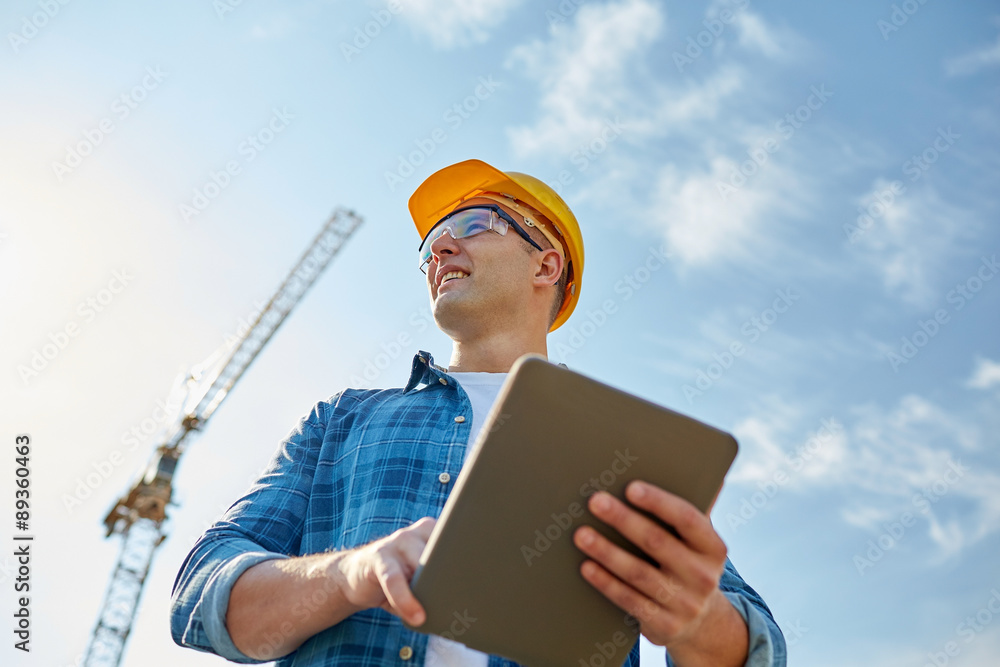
(374, 575)
(378, 574)
(678, 604)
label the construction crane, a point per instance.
(138, 516)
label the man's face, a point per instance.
(493, 280)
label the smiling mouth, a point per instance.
(453, 275)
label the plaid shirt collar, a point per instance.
(423, 372)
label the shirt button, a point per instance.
(406, 653)
(442, 381)
(444, 478)
(459, 419)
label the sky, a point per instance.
(790, 215)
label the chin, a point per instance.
(448, 316)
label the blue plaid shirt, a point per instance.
(358, 467)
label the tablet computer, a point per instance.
(500, 572)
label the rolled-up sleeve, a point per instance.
(265, 524)
(767, 644)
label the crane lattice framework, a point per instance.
(139, 515)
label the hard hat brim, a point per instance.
(447, 188)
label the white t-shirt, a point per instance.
(482, 389)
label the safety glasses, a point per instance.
(469, 222)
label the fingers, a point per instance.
(646, 610)
(396, 587)
(378, 574)
(625, 579)
(396, 558)
(693, 526)
(422, 527)
(409, 543)
(670, 600)
(694, 561)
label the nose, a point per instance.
(443, 244)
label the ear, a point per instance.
(549, 268)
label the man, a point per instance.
(314, 562)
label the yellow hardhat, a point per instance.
(445, 189)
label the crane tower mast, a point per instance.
(139, 515)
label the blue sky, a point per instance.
(790, 216)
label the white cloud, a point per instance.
(591, 71)
(986, 375)
(698, 223)
(756, 35)
(912, 240)
(763, 437)
(702, 101)
(984, 647)
(753, 33)
(818, 457)
(916, 457)
(704, 217)
(970, 63)
(584, 72)
(866, 516)
(453, 23)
